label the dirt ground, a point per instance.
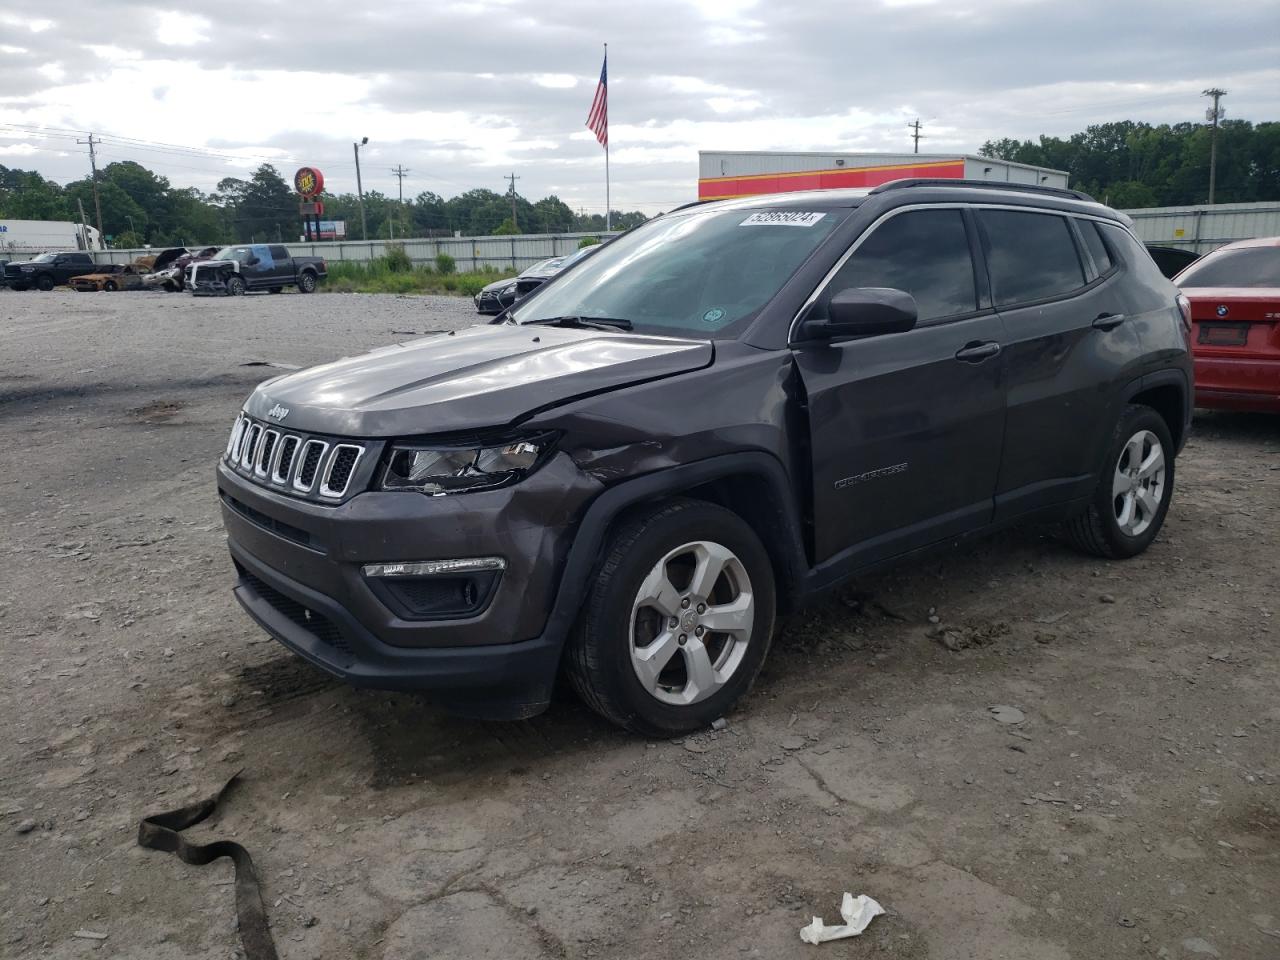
(1133, 812)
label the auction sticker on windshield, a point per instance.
(782, 218)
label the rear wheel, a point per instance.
(235, 285)
(678, 621)
(1133, 493)
(307, 282)
(110, 286)
(44, 282)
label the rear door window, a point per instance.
(1030, 256)
(923, 252)
(279, 253)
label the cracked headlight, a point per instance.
(443, 469)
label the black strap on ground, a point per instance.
(162, 831)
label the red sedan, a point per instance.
(1235, 314)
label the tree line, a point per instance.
(1130, 164)
(1127, 164)
(141, 207)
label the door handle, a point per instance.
(1108, 321)
(978, 351)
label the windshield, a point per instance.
(698, 273)
(1245, 267)
(45, 258)
(541, 266)
(232, 253)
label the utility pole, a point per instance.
(93, 166)
(513, 178)
(364, 224)
(1213, 115)
(399, 172)
(916, 135)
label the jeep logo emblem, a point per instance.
(278, 412)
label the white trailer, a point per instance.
(723, 173)
(41, 236)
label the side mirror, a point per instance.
(863, 312)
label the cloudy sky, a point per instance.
(463, 93)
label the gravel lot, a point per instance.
(1134, 811)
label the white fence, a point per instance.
(1203, 228)
(469, 253)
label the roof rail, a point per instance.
(985, 184)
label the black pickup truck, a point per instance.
(47, 271)
(237, 269)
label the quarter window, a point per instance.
(1097, 249)
(1030, 256)
(923, 252)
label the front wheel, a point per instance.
(110, 286)
(307, 282)
(678, 621)
(1133, 493)
(45, 283)
(235, 285)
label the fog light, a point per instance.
(431, 568)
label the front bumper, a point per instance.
(300, 577)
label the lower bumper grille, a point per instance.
(318, 625)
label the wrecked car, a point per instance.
(241, 268)
(110, 278)
(720, 415)
(166, 273)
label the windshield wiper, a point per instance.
(600, 323)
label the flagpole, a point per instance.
(607, 202)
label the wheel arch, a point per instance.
(752, 484)
(1168, 394)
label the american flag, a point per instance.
(598, 118)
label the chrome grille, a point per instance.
(312, 454)
(337, 474)
(297, 464)
(288, 447)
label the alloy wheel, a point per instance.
(691, 622)
(1138, 487)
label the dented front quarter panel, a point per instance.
(740, 403)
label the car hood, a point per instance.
(498, 284)
(209, 263)
(167, 258)
(478, 378)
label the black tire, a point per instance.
(277, 289)
(599, 656)
(307, 282)
(1098, 530)
(235, 285)
(110, 286)
(44, 282)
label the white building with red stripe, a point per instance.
(723, 174)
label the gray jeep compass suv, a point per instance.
(723, 412)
